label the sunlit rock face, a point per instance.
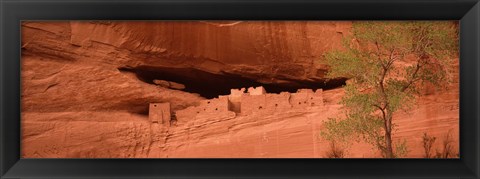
(87, 87)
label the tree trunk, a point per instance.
(388, 136)
(388, 142)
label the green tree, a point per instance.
(387, 62)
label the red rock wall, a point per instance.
(77, 104)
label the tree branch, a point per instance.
(391, 58)
(382, 110)
(414, 76)
(379, 54)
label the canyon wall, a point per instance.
(87, 89)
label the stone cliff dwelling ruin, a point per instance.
(159, 113)
(238, 102)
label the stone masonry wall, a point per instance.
(239, 102)
(159, 113)
(208, 109)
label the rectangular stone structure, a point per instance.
(235, 99)
(253, 103)
(214, 105)
(278, 102)
(256, 91)
(306, 97)
(159, 113)
(317, 98)
(187, 114)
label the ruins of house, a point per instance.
(159, 113)
(239, 102)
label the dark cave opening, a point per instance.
(210, 85)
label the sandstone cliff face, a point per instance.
(86, 88)
(286, 49)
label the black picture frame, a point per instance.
(12, 12)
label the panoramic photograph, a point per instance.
(240, 89)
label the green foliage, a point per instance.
(387, 63)
(401, 149)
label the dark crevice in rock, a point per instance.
(211, 85)
(141, 110)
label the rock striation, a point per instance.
(88, 91)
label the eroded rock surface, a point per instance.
(87, 86)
